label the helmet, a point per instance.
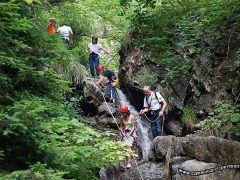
(100, 68)
(123, 109)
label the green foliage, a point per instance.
(104, 19)
(57, 138)
(78, 149)
(35, 122)
(175, 33)
(37, 171)
(24, 60)
(147, 77)
(223, 120)
(189, 118)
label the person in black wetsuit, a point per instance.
(110, 92)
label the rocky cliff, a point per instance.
(211, 78)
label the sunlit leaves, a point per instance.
(28, 1)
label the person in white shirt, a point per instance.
(154, 105)
(66, 34)
(94, 49)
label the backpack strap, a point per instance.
(160, 103)
(147, 99)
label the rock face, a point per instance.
(184, 158)
(148, 171)
(195, 153)
(92, 97)
(209, 80)
(175, 127)
(209, 149)
(197, 167)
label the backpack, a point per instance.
(160, 103)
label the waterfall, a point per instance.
(143, 126)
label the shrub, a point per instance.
(189, 117)
(224, 120)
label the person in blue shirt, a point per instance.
(110, 92)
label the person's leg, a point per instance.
(96, 65)
(129, 157)
(156, 125)
(154, 130)
(91, 63)
(159, 126)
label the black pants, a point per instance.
(156, 126)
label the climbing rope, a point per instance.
(163, 120)
(118, 127)
(150, 119)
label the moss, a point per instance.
(189, 118)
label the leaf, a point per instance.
(29, 1)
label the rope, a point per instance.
(150, 119)
(118, 127)
(110, 60)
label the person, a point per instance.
(94, 49)
(51, 26)
(66, 34)
(127, 130)
(110, 93)
(154, 106)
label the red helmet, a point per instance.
(123, 109)
(100, 68)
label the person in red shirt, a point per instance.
(51, 26)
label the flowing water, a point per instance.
(143, 126)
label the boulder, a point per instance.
(209, 149)
(92, 97)
(106, 107)
(195, 167)
(147, 171)
(174, 127)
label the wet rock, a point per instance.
(177, 152)
(107, 122)
(209, 149)
(175, 127)
(200, 166)
(92, 97)
(147, 171)
(176, 161)
(106, 108)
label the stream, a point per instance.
(143, 126)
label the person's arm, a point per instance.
(145, 109)
(71, 35)
(163, 108)
(161, 99)
(114, 94)
(121, 127)
(134, 125)
(101, 48)
(88, 48)
(101, 77)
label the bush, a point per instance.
(174, 33)
(224, 120)
(147, 77)
(36, 124)
(189, 118)
(37, 171)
